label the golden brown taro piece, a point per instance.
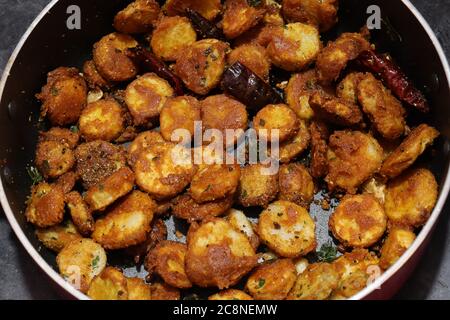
(353, 157)
(213, 182)
(273, 14)
(80, 261)
(287, 229)
(127, 224)
(335, 56)
(110, 189)
(257, 187)
(102, 120)
(240, 222)
(97, 160)
(335, 110)
(298, 91)
(201, 65)
(63, 97)
(67, 181)
(167, 260)
(61, 135)
(410, 198)
(383, 109)
(142, 142)
(138, 289)
(185, 207)
(272, 281)
(162, 291)
(137, 17)
(46, 205)
(294, 46)
(291, 148)
(359, 221)
(319, 13)
(296, 184)
(315, 283)
(276, 117)
(254, 57)
(319, 149)
(409, 150)
(207, 8)
(93, 77)
(57, 237)
(146, 96)
(260, 35)
(80, 213)
(164, 170)
(230, 294)
(171, 36)
(111, 284)
(111, 60)
(239, 17)
(347, 89)
(54, 158)
(221, 112)
(179, 113)
(356, 270)
(218, 255)
(396, 243)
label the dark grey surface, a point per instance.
(22, 279)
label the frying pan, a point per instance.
(48, 44)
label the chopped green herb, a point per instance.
(54, 91)
(74, 129)
(254, 3)
(244, 194)
(261, 282)
(34, 174)
(95, 262)
(327, 252)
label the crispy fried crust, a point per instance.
(290, 149)
(64, 96)
(396, 243)
(54, 158)
(93, 77)
(347, 89)
(171, 36)
(142, 142)
(254, 57)
(67, 181)
(102, 120)
(184, 207)
(80, 261)
(127, 224)
(296, 184)
(167, 259)
(146, 96)
(335, 56)
(359, 221)
(230, 294)
(218, 255)
(315, 283)
(319, 149)
(383, 109)
(110, 58)
(61, 135)
(239, 17)
(255, 187)
(80, 213)
(164, 170)
(46, 205)
(287, 229)
(110, 189)
(213, 182)
(354, 157)
(201, 65)
(162, 291)
(221, 112)
(97, 160)
(298, 91)
(276, 117)
(57, 237)
(354, 269)
(138, 289)
(111, 284)
(207, 8)
(137, 17)
(294, 46)
(409, 150)
(179, 113)
(240, 222)
(272, 281)
(319, 13)
(410, 198)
